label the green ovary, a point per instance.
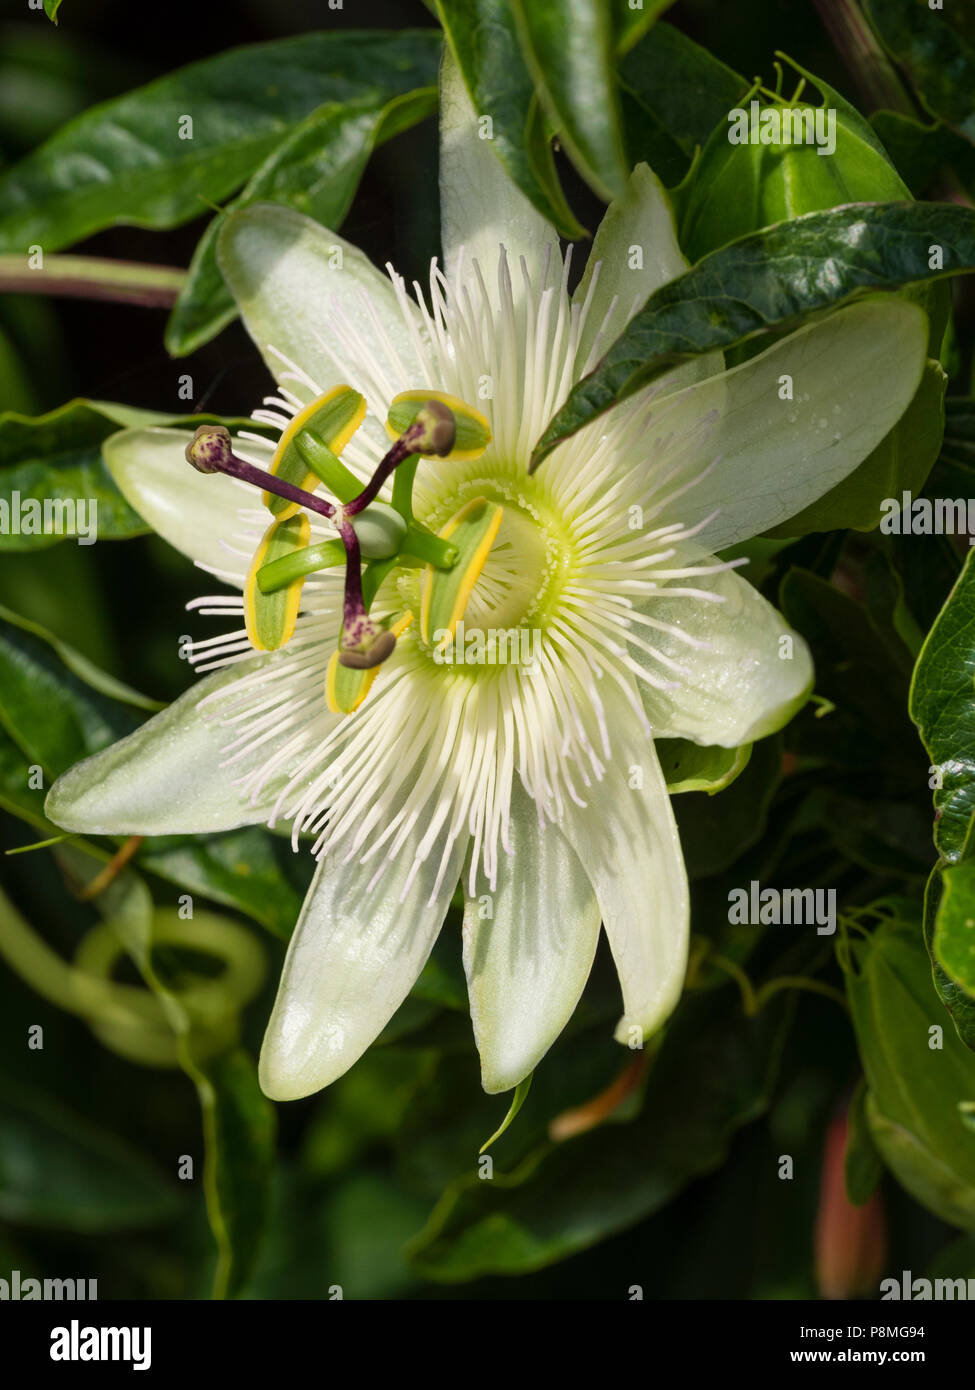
(521, 583)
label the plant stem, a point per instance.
(93, 277)
(871, 69)
(868, 64)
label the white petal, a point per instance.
(627, 841)
(853, 375)
(746, 684)
(481, 208)
(316, 299)
(165, 778)
(355, 954)
(527, 964)
(195, 512)
(642, 220)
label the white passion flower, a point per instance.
(534, 781)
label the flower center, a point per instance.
(516, 591)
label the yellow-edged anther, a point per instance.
(333, 419)
(444, 594)
(346, 686)
(473, 433)
(270, 618)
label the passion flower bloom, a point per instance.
(534, 783)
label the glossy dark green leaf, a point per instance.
(80, 666)
(954, 937)
(484, 41)
(937, 52)
(55, 461)
(765, 282)
(316, 170)
(919, 1072)
(943, 708)
(52, 715)
(136, 160)
(570, 51)
(56, 706)
(714, 1073)
(957, 1000)
(53, 481)
(673, 94)
(58, 1169)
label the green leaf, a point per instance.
(766, 282)
(53, 463)
(16, 793)
(862, 1165)
(936, 53)
(58, 1170)
(942, 705)
(54, 481)
(919, 1078)
(954, 935)
(673, 93)
(80, 666)
(569, 49)
(485, 43)
(132, 160)
(631, 22)
(51, 8)
(315, 170)
(714, 1073)
(247, 869)
(52, 716)
(689, 767)
(958, 1002)
(901, 462)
